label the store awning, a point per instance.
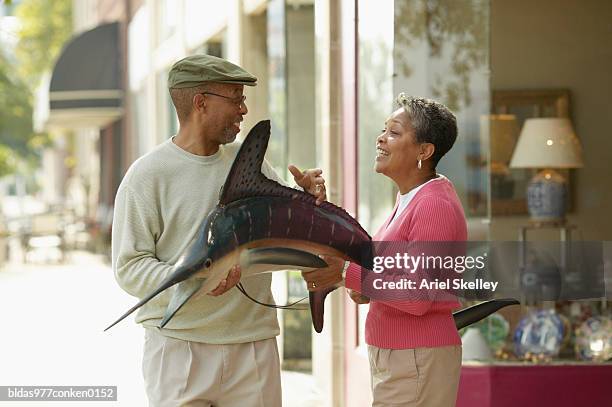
(86, 85)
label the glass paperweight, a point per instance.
(540, 333)
(594, 339)
(495, 330)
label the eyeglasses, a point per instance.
(238, 101)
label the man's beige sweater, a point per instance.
(160, 205)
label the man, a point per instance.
(218, 349)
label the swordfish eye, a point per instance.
(208, 263)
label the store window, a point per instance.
(438, 50)
(553, 79)
(291, 83)
(433, 49)
(376, 94)
(291, 106)
(464, 53)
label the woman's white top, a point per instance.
(404, 199)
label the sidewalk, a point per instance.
(52, 320)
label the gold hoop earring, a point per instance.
(419, 165)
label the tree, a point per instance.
(45, 27)
(15, 118)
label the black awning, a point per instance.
(86, 86)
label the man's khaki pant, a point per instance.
(192, 374)
(421, 377)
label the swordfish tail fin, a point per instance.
(475, 313)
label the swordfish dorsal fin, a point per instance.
(246, 180)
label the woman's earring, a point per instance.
(419, 165)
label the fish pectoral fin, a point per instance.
(284, 256)
(184, 291)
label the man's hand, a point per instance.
(319, 279)
(311, 181)
(357, 297)
(231, 280)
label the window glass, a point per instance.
(437, 49)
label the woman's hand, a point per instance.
(357, 297)
(331, 275)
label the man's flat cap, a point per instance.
(197, 69)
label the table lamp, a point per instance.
(547, 143)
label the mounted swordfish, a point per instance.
(264, 226)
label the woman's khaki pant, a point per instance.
(427, 377)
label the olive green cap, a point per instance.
(197, 69)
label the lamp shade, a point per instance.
(547, 143)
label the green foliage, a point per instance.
(7, 164)
(45, 28)
(15, 117)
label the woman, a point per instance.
(413, 346)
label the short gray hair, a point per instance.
(182, 98)
(432, 123)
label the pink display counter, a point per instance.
(529, 385)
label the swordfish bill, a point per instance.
(263, 226)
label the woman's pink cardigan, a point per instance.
(434, 214)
